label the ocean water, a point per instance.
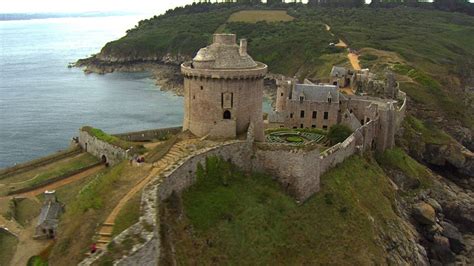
(43, 103)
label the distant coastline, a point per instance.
(30, 16)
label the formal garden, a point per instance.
(296, 136)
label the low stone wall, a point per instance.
(101, 149)
(183, 175)
(149, 135)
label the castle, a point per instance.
(223, 108)
(223, 90)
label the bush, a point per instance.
(338, 133)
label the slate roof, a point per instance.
(337, 71)
(49, 212)
(224, 56)
(316, 92)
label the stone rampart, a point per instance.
(105, 151)
(183, 175)
(149, 135)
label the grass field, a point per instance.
(46, 172)
(234, 218)
(89, 202)
(129, 215)
(8, 244)
(253, 16)
(26, 210)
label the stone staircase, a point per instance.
(179, 151)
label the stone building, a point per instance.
(223, 90)
(49, 216)
(306, 105)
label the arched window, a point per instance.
(227, 114)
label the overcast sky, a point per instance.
(41, 6)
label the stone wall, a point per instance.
(183, 175)
(149, 135)
(102, 149)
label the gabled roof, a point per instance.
(50, 211)
(338, 71)
(317, 92)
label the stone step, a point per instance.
(108, 224)
(103, 241)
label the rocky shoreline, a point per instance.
(165, 71)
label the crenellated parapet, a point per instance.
(256, 73)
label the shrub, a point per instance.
(338, 133)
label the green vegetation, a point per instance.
(129, 215)
(397, 159)
(295, 139)
(88, 203)
(37, 261)
(242, 219)
(338, 133)
(8, 244)
(428, 132)
(253, 16)
(41, 174)
(25, 210)
(101, 135)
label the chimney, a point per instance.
(50, 196)
(243, 47)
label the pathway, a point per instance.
(353, 57)
(26, 246)
(177, 152)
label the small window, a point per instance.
(302, 114)
(301, 99)
(367, 120)
(329, 100)
(194, 97)
(362, 121)
(294, 127)
(315, 114)
(350, 111)
(325, 127)
(227, 114)
(202, 87)
(281, 94)
(313, 126)
(326, 115)
(291, 115)
(301, 126)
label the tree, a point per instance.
(338, 133)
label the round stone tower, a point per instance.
(223, 90)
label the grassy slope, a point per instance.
(8, 246)
(251, 221)
(46, 172)
(129, 215)
(88, 203)
(438, 55)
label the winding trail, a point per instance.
(353, 57)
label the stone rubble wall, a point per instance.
(99, 148)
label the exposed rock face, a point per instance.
(424, 213)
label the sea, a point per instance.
(43, 103)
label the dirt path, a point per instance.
(177, 152)
(353, 57)
(27, 246)
(60, 183)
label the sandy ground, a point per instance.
(354, 61)
(27, 246)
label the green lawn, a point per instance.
(254, 16)
(129, 215)
(234, 218)
(41, 174)
(8, 244)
